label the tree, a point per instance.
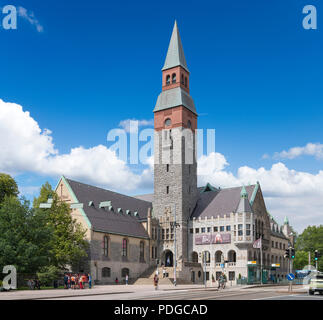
(8, 187)
(67, 243)
(310, 240)
(24, 237)
(301, 260)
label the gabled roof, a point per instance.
(244, 206)
(105, 220)
(175, 54)
(220, 202)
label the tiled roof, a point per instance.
(102, 219)
(219, 202)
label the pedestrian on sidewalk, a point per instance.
(156, 281)
(117, 281)
(127, 279)
(90, 280)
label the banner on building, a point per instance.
(213, 239)
(257, 244)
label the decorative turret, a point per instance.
(244, 204)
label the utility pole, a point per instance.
(175, 253)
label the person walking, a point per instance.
(127, 279)
(117, 281)
(90, 280)
(65, 281)
(156, 281)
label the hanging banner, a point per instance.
(213, 239)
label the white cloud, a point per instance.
(298, 195)
(30, 17)
(26, 148)
(125, 124)
(311, 149)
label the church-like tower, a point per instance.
(175, 168)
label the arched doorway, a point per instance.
(167, 258)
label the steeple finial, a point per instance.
(244, 193)
(175, 54)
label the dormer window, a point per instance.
(174, 78)
(167, 80)
(168, 122)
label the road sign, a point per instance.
(290, 277)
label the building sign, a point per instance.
(213, 238)
(276, 265)
(252, 262)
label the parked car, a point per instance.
(316, 284)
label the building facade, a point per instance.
(195, 233)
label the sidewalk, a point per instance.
(97, 290)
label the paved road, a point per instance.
(202, 294)
(166, 292)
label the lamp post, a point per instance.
(174, 226)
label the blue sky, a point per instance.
(256, 77)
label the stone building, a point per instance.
(197, 232)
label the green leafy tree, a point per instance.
(8, 187)
(310, 240)
(48, 274)
(67, 244)
(301, 260)
(24, 236)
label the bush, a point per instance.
(47, 275)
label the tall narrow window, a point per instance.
(124, 247)
(182, 79)
(167, 167)
(186, 82)
(105, 246)
(174, 78)
(167, 189)
(142, 251)
(167, 80)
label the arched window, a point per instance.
(232, 256)
(105, 246)
(124, 247)
(174, 78)
(106, 272)
(195, 257)
(185, 81)
(182, 79)
(167, 80)
(168, 122)
(189, 124)
(124, 272)
(142, 251)
(218, 257)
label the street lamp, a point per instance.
(174, 225)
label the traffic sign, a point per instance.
(290, 277)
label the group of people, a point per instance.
(33, 284)
(77, 281)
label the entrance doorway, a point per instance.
(168, 258)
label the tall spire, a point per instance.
(175, 54)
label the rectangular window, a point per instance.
(221, 228)
(202, 230)
(231, 275)
(248, 232)
(228, 228)
(240, 232)
(197, 230)
(239, 226)
(124, 247)
(215, 229)
(163, 234)
(167, 189)
(191, 230)
(272, 244)
(208, 229)
(167, 234)
(167, 167)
